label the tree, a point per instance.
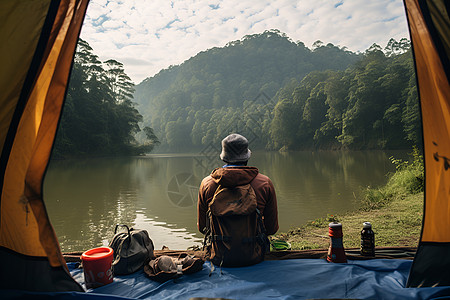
(336, 90)
(317, 44)
(150, 134)
(99, 117)
(396, 48)
(119, 83)
(411, 115)
(284, 125)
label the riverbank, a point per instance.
(398, 223)
(395, 211)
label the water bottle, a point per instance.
(367, 240)
(336, 251)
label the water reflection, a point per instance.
(312, 184)
(86, 198)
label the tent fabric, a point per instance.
(431, 265)
(429, 28)
(285, 279)
(33, 101)
(21, 26)
(438, 12)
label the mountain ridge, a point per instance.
(225, 77)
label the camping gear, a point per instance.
(336, 251)
(235, 234)
(132, 250)
(278, 245)
(165, 267)
(367, 240)
(97, 266)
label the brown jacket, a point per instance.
(233, 176)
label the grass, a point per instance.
(395, 211)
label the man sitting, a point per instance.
(237, 208)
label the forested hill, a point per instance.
(283, 95)
(225, 77)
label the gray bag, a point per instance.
(132, 250)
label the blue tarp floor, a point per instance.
(280, 279)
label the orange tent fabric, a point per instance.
(41, 39)
(429, 28)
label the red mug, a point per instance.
(97, 266)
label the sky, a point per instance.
(150, 35)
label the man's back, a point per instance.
(233, 176)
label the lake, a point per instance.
(85, 198)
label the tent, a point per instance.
(430, 36)
(36, 59)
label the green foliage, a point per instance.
(216, 91)
(409, 176)
(99, 117)
(324, 98)
(375, 198)
(371, 105)
(410, 220)
(325, 221)
(303, 245)
(407, 180)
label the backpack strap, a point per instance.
(207, 240)
(118, 252)
(122, 225)
(261, 226)
(262, 238)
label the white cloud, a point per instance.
(148, 36)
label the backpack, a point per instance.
(132, 250)
(235, 234)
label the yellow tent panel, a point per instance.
(42, 37)
(429, 28)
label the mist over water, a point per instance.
(86, 198)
